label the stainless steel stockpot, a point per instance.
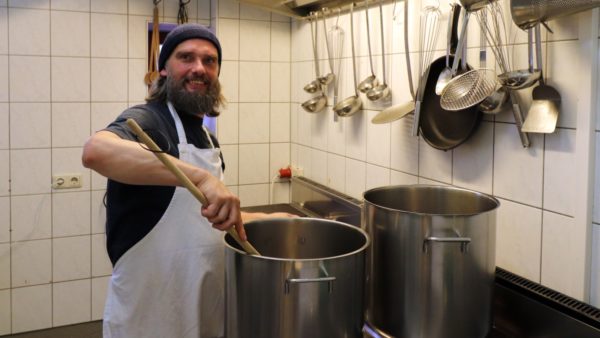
(308, 281)
(431, 263)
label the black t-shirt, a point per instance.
(133, 210)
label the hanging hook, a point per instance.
(338, 17)
(156, 2)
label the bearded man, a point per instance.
(166, 250)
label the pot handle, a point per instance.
(464, 241)
(308, 280)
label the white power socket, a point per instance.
(297, 171)
(67, 181)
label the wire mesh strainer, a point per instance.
(468, 89)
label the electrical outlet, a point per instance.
(297, 171)
(67, 181)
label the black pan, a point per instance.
(440, 128)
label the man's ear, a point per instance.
(163, 72)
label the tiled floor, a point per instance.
(84, 330)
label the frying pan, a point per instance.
(440, 128)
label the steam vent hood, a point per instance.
(297, 8)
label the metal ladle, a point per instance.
(350, 105)
(381, 91)
(522, 78)
(329, 77)
(314, 86)
(371, 81)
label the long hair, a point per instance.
(158, 93)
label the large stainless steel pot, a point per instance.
(309, 281)
(430, 267)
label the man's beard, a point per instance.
(193, 103)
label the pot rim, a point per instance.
(490, 198)
(303, 219)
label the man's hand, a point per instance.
(223, 208)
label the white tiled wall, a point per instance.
(254, 129)
(536, 186)
(68, 68)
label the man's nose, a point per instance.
(198, 66)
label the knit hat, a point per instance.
(185, 32)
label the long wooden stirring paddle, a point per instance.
(184, 179)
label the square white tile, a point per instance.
(559, 252)
(71, 302)
(171, 8)
(105, 113)
(404, 147)
(4, 126)
(255, 40)
(72, 5)
(304, 161)
(319, 128)
(377, 176)
(31, 263)
(98, 181)
(98, 211)
(595, 269)
(4, 266)
(254, 163)
(70, 79)
(3, 30)
(279, 122)
(68, 161)
(108, 35)
(43, 4)
(31, 308)
(596, 201)
(137, 86)
(204, 9)
(109, 6)
(336, 135)
(336, 172)
(4, 219)
(254, 81)
(356, 136)
(230, 80)
(99, 291)
(565, 79)
(4, 77)
(109, 80)
(29, 31)
(280, 81)
(318, 170)
(71, 214)
(142, 8)
(518, 172)
(70, 32)
(378, 142)
(401, 178)
(254, 13)
(254, 122)
(228, 9)
(518, 239)
(5, 315)
(279, 157)
(435, 164)
(559, 172)
(31, 217)
(30, 171)
(355, 178)
(101, 265)
(30, 125)
(472, 164)
(281, 41)
(280, 192)
(227, 124)
(138, 35)
(228, 32)
(230, 156)
(4, 173)
(29, 78)
(71, 258)
(253, 194)
(71, 117)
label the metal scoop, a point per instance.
(523, 78)
(314, 86)
(383, 90)
(545, 107)
(371, 80)
(350, 105)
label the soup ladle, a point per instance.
(350, 105)
(315, 85)
(380, 91)
(371, 80)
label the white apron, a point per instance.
(171, 283)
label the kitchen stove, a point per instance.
(521, 308)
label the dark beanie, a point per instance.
(185, 32)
